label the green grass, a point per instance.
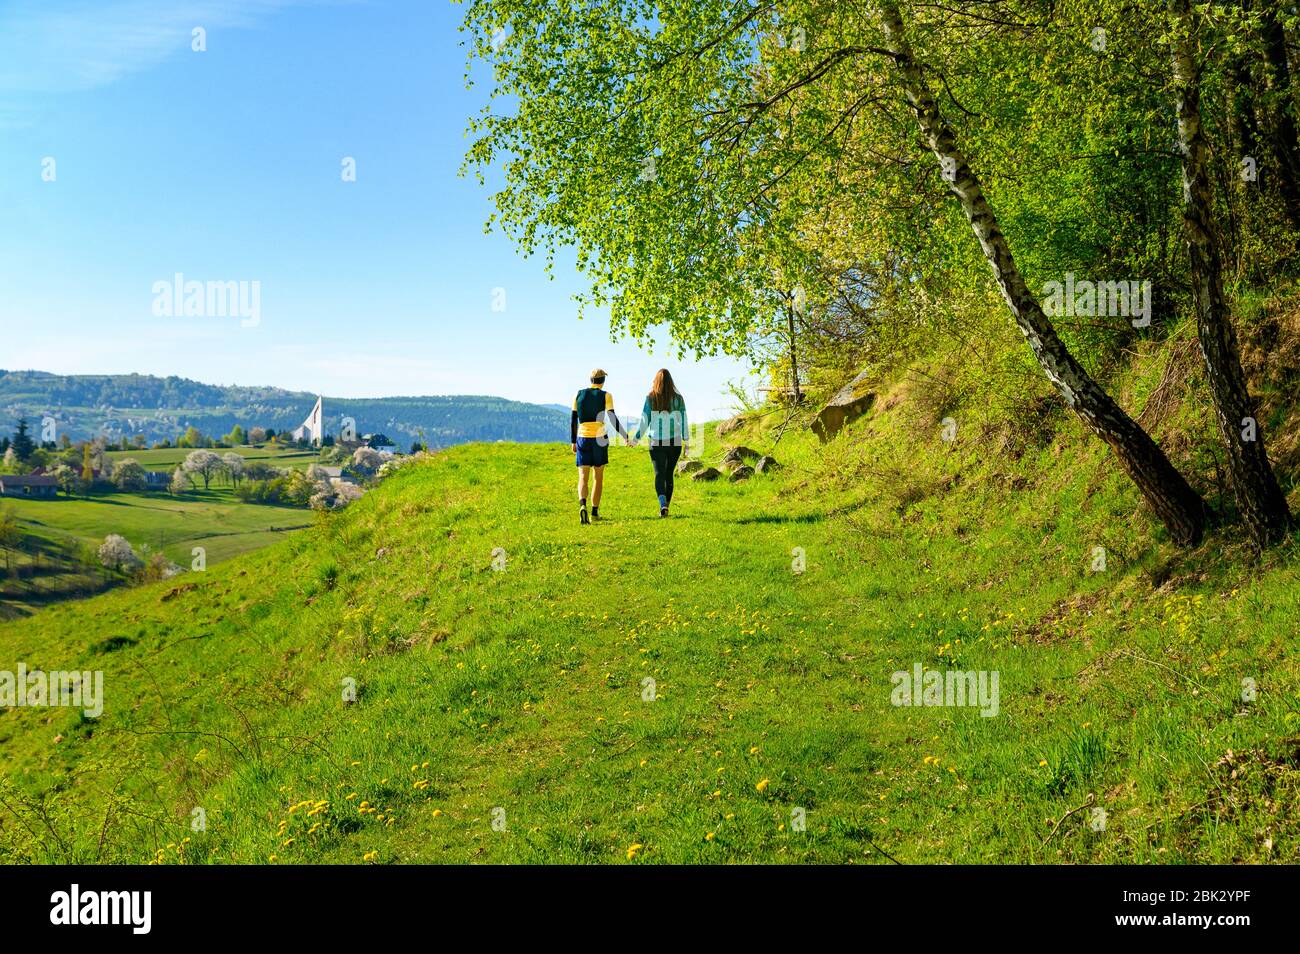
(216, 520)
(519, 694)
(45, 569)
(169, 458)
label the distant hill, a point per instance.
(117, 405)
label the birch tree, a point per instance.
(1260, 499)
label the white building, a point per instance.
(312, 429)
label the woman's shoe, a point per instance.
(663, 511)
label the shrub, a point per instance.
(117, 554)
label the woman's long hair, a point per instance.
(663, 391)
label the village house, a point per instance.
(336, 473)
(30, 486)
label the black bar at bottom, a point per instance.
(331, 905)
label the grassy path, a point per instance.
(505, 715)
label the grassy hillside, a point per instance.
(518, 696)
(50, 565)
(213, 519)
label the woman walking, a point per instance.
(663, 420)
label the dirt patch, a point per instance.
(176, 591)
(1064, 620)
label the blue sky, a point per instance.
(225, 165)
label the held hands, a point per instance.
(629, 441)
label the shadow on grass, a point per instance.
(782, 518)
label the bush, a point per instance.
(128, 475)
(116, 553)
(158, 567)
(273, 491)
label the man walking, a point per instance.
(591, 408)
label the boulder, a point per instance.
(708, 473)
(849, 403)
(767, 464)
(689, 466)
(743, 472)
(730, 465)
(743, 453)
(727, 426)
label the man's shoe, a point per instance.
(582, 514)
(595, 513)
(663, 511)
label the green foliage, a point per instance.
(706, 159)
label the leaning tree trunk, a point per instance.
(1161, 485)
(1261, 501)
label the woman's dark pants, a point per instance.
(665, 457)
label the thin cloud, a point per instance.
(54, 46)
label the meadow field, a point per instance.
(215, 519)
(169, 458)
(444, 672)
(48, 568)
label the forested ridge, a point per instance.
(86, 405)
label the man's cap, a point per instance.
(597, 373)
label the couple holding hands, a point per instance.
(663, 423)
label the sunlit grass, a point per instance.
(506, 716)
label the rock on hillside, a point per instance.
(849, 403)
(731, 424)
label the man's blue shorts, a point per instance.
(593, 451)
